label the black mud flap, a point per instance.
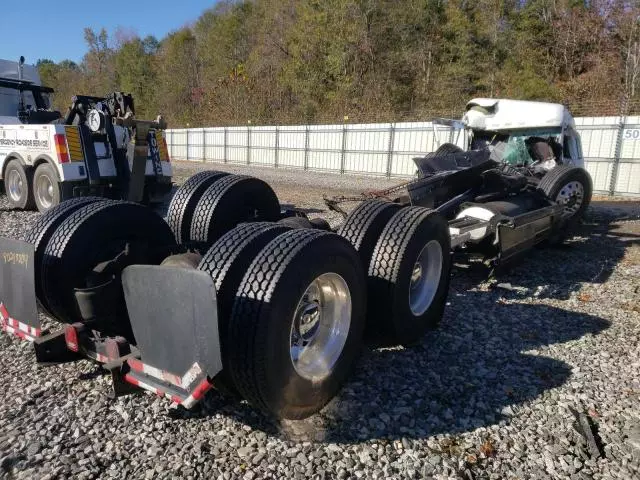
(18, 308)
(174, 317)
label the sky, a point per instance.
(54, 29)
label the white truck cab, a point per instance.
(46, 157)
(520, 132)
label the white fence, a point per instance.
(611, 147)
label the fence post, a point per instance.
(204, 146)
(248, 145)
(225, 146)
(306, 147)
(392, 134)
(344, 147)
(618, 152)
(277, 147)
(187, 144)
(170, 143)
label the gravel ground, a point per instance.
(493, 393)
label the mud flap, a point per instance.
(18, 308)
(174, 317)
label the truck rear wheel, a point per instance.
(571, 187)
(184, 202)
(363, 226)
(297, 322)
(96, 233)
(45, 227)
(17, 185)
(229, 258)
(227, 261)
(46, 189)
(230, 201)
(409, 277)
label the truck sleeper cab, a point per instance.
(523, 133)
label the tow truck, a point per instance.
(97, 148)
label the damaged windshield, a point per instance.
(521, 148)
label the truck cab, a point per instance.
(523, 133)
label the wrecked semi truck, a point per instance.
(235, 292)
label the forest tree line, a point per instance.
(313, 61)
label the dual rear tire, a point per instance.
(27, 189)
(405, 252)
(211, 203)
(291, 313)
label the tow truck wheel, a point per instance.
(363, 226)
(17, 185)
(93, 234)
(297, 322)
(571, 187)
(227, 261)
(185, 200)
(230, 201)
(46, 189)
(408, 277)
(44, 228)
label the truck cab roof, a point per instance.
(506, 115)
(12, 83)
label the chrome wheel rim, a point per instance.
(320, 327)
(16, 185)
(44, 191)
(571, 196)
(425, 278)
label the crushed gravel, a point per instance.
(498, 391)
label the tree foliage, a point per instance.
(298, 61)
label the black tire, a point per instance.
(184, 202)
(19, 198)
(230, 201)
(320, 224)
(95, 233)
(565, 177)
(227, 261)
(363, 226)
(45, 172)
(392, 320)
(45, 227)
(447, 149)
(296, 222)
(229, 258)
(260, 332)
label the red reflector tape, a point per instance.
(136, 365)
(200, 391)
(13, 326)
(17, 333)
(71, 338)
(203, 387)
(165, 376)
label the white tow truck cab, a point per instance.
(46, 158)
(519, 132)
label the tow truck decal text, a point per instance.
(24, 143)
